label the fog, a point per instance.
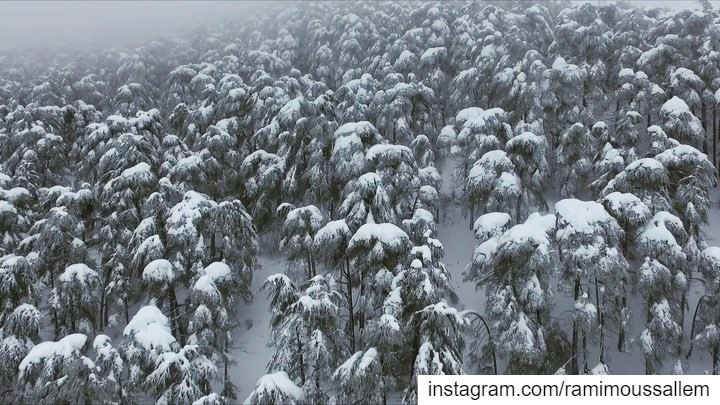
(83, 24)
(90, 24)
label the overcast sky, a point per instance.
(79, 24)
(40, 24)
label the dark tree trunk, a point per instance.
(127, 313)
(601, 321)
(692, 325)
(683, 304)
(102, 311)
(361, 320)
(56, 323)
(575, 335)
(301, 360)
(714, 134)
(351, 309)
(621, 333)
(706, 144)
(226, 378)
(472, 213)
(585, 353)
(177, 325)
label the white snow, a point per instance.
(269, 385)
(535, 228)
(580, 217)
(467, 114)
(388, 152)
(361, 129)
(64, 347)
(159, 271)
(386, 234)
(207, 287)
(79, 271)
(218, 271)
(7, 208)
(675, 107)
(151, 329)
(627, 205)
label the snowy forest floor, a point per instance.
(251, 337)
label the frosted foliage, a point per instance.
(522, 187)
(491, 225)
(80, 272)
(47, 353)
(219, 272)
(583, 219)
(627, 208)
(275, 388)
(359, 378)
(183, 217)
(159, 271)
(150, 328)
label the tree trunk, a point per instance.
(714, 134)
(177, 325)
(351, 309)
(683, 304)
(601, 320)
(692, 325)
(55, 322)
(226, 378)
(472, 213)
(72, 317)
(127, 313)
(302, 361)
(382, 377)
(621, 333)
(706, 144)
(309, 265)
(102, 310)
(585, 353)
(575, 335)
(361, 321)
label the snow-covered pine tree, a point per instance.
(707, 316)
(20, 329)
(515, 266)
(359, 378)
(300, 227)
(573, 156)
(233, 239)
(275, 388)
(74, 299)
(679, 123)
(147, 335)
(58, 371)
(374, 251)
(306, 332)
(181, 377)
(594, 267)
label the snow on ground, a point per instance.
(251, 353)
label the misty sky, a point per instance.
(44, 24)
(79, 24)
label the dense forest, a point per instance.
(141, 188)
